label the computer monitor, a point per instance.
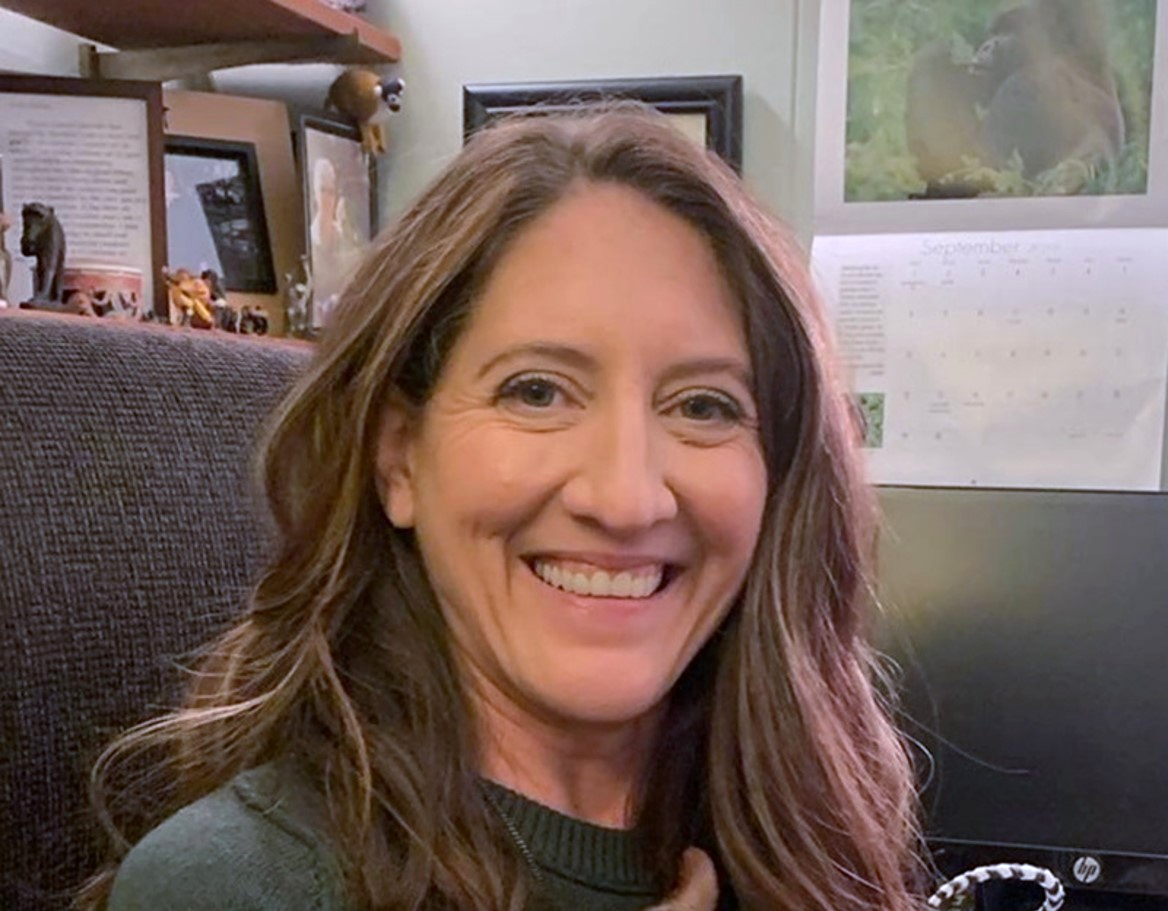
(1031, 632)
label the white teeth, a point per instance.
(600, 584)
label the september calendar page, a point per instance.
(994, 241)
(1005, 359)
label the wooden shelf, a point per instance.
(164, 30)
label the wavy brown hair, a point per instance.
(775, 734)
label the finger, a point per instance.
(697, 887)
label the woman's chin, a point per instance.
(602, 696)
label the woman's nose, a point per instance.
(619, 479)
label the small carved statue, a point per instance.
(5, 260)
(43, 238)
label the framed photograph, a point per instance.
(83, 159)
(215, 212)
(340, 207)
(261, 125)
(706, 108)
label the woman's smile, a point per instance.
(636, 578)
(617, 605)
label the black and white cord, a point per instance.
(1053, 889)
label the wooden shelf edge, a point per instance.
(146, 25)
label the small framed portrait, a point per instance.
(215, 213)
(706, 108)
(340, 207)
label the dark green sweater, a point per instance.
(257, 845)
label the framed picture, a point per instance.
(707, 108)
(340, 207)
(85, 156)
(215, 212)
(263, 126)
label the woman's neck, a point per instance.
(588, 771)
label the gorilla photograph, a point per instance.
(961, 99)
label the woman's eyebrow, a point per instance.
(573, 357)
(733, 366)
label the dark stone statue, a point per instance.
(43, 238)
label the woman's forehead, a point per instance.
(607, 262)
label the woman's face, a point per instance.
(586, 483)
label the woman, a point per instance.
(570, 576)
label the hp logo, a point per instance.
(1087, 869)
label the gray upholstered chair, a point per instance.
(129, 531)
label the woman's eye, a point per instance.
(707, 407)
(534, 392)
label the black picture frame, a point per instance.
(718, 98)
(232, 208)
(314, 130)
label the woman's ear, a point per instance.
(393, 464)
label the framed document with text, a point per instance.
(92, 151)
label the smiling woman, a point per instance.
(567, 602)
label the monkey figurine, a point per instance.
(43, 238)
(358, 94)
(5, 260)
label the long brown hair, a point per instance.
(775, 734)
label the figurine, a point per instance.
(190, 300)
(299, 294)
(43, 238)
(358, 94)
(226, 316)
(253, 320)
(5, 261)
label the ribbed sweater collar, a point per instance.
(594, 855)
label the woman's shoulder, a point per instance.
(257, 843)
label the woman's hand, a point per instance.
(697, 888)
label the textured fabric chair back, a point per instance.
(129, 532)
